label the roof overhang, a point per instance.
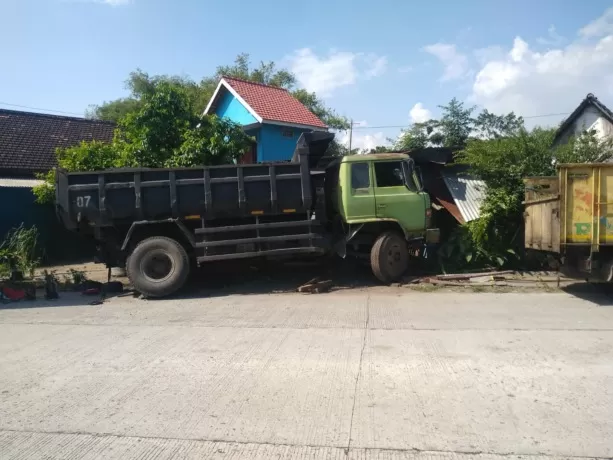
(295, 125)
(251, 126)
(224, 84)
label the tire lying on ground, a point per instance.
(158, 266)
(389, 257)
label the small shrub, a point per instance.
(19, 251)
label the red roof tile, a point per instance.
(274, 104)
(28, 140)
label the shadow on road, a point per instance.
(598, 293)
(269, 277)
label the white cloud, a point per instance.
(553, 38)
(489, 53)
(405, 69)
(377, 65)
(419, 114)
(363, 141)
(116, 2)
(530, 82)
(324, 74)
(455, 63)
(599, 27)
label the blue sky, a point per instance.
(381, 63)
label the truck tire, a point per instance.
(158, 266)
(389, 257)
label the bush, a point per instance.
(495, 239)
(162, 132)
(19, 250)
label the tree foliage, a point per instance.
(415, 137)
(456, 123)
(456, 126)
(141, 83)
(163, 132)
(502, 162)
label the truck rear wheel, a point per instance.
(158, 266)
(389, 257)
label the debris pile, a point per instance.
(315, 286)
(504, 278)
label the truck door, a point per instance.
(394, 200)
(361, 203)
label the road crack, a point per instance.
(357, 378)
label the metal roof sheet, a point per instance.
(21, 183)
(467, 192)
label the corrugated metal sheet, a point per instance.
(467, 192)
(21, 183)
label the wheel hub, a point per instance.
(157, 266)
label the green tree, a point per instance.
(490, 126)
(153, 133)
(381, 149)
(415, 137)
(456, 123)
(325, 114)
(214, 141)
(141, 83)
(502, 162)
(164, 131)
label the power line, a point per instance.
(39, 108)
(405, 125)
(354, 125)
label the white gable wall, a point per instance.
(591, 118)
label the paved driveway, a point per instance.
(381, 373)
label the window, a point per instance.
(389, 174)
(287, 132)
(359, 175)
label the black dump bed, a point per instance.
(111, 197)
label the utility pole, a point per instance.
(350, 134)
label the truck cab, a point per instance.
(383, 188)
(383, 210)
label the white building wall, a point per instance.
(590, 119)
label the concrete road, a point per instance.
(374, 374)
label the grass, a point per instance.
(18, 251)
(426, 287)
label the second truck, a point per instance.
(567, 218)
(158, 223)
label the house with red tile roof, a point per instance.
(274, 117)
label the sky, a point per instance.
(384, 64)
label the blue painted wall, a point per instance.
(274, 146)
(231, 108)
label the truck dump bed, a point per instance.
(122, 196)
(586, 204)
(574, 208)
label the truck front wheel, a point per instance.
(158, 266)
(389, 257)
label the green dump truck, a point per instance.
(159, 222)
